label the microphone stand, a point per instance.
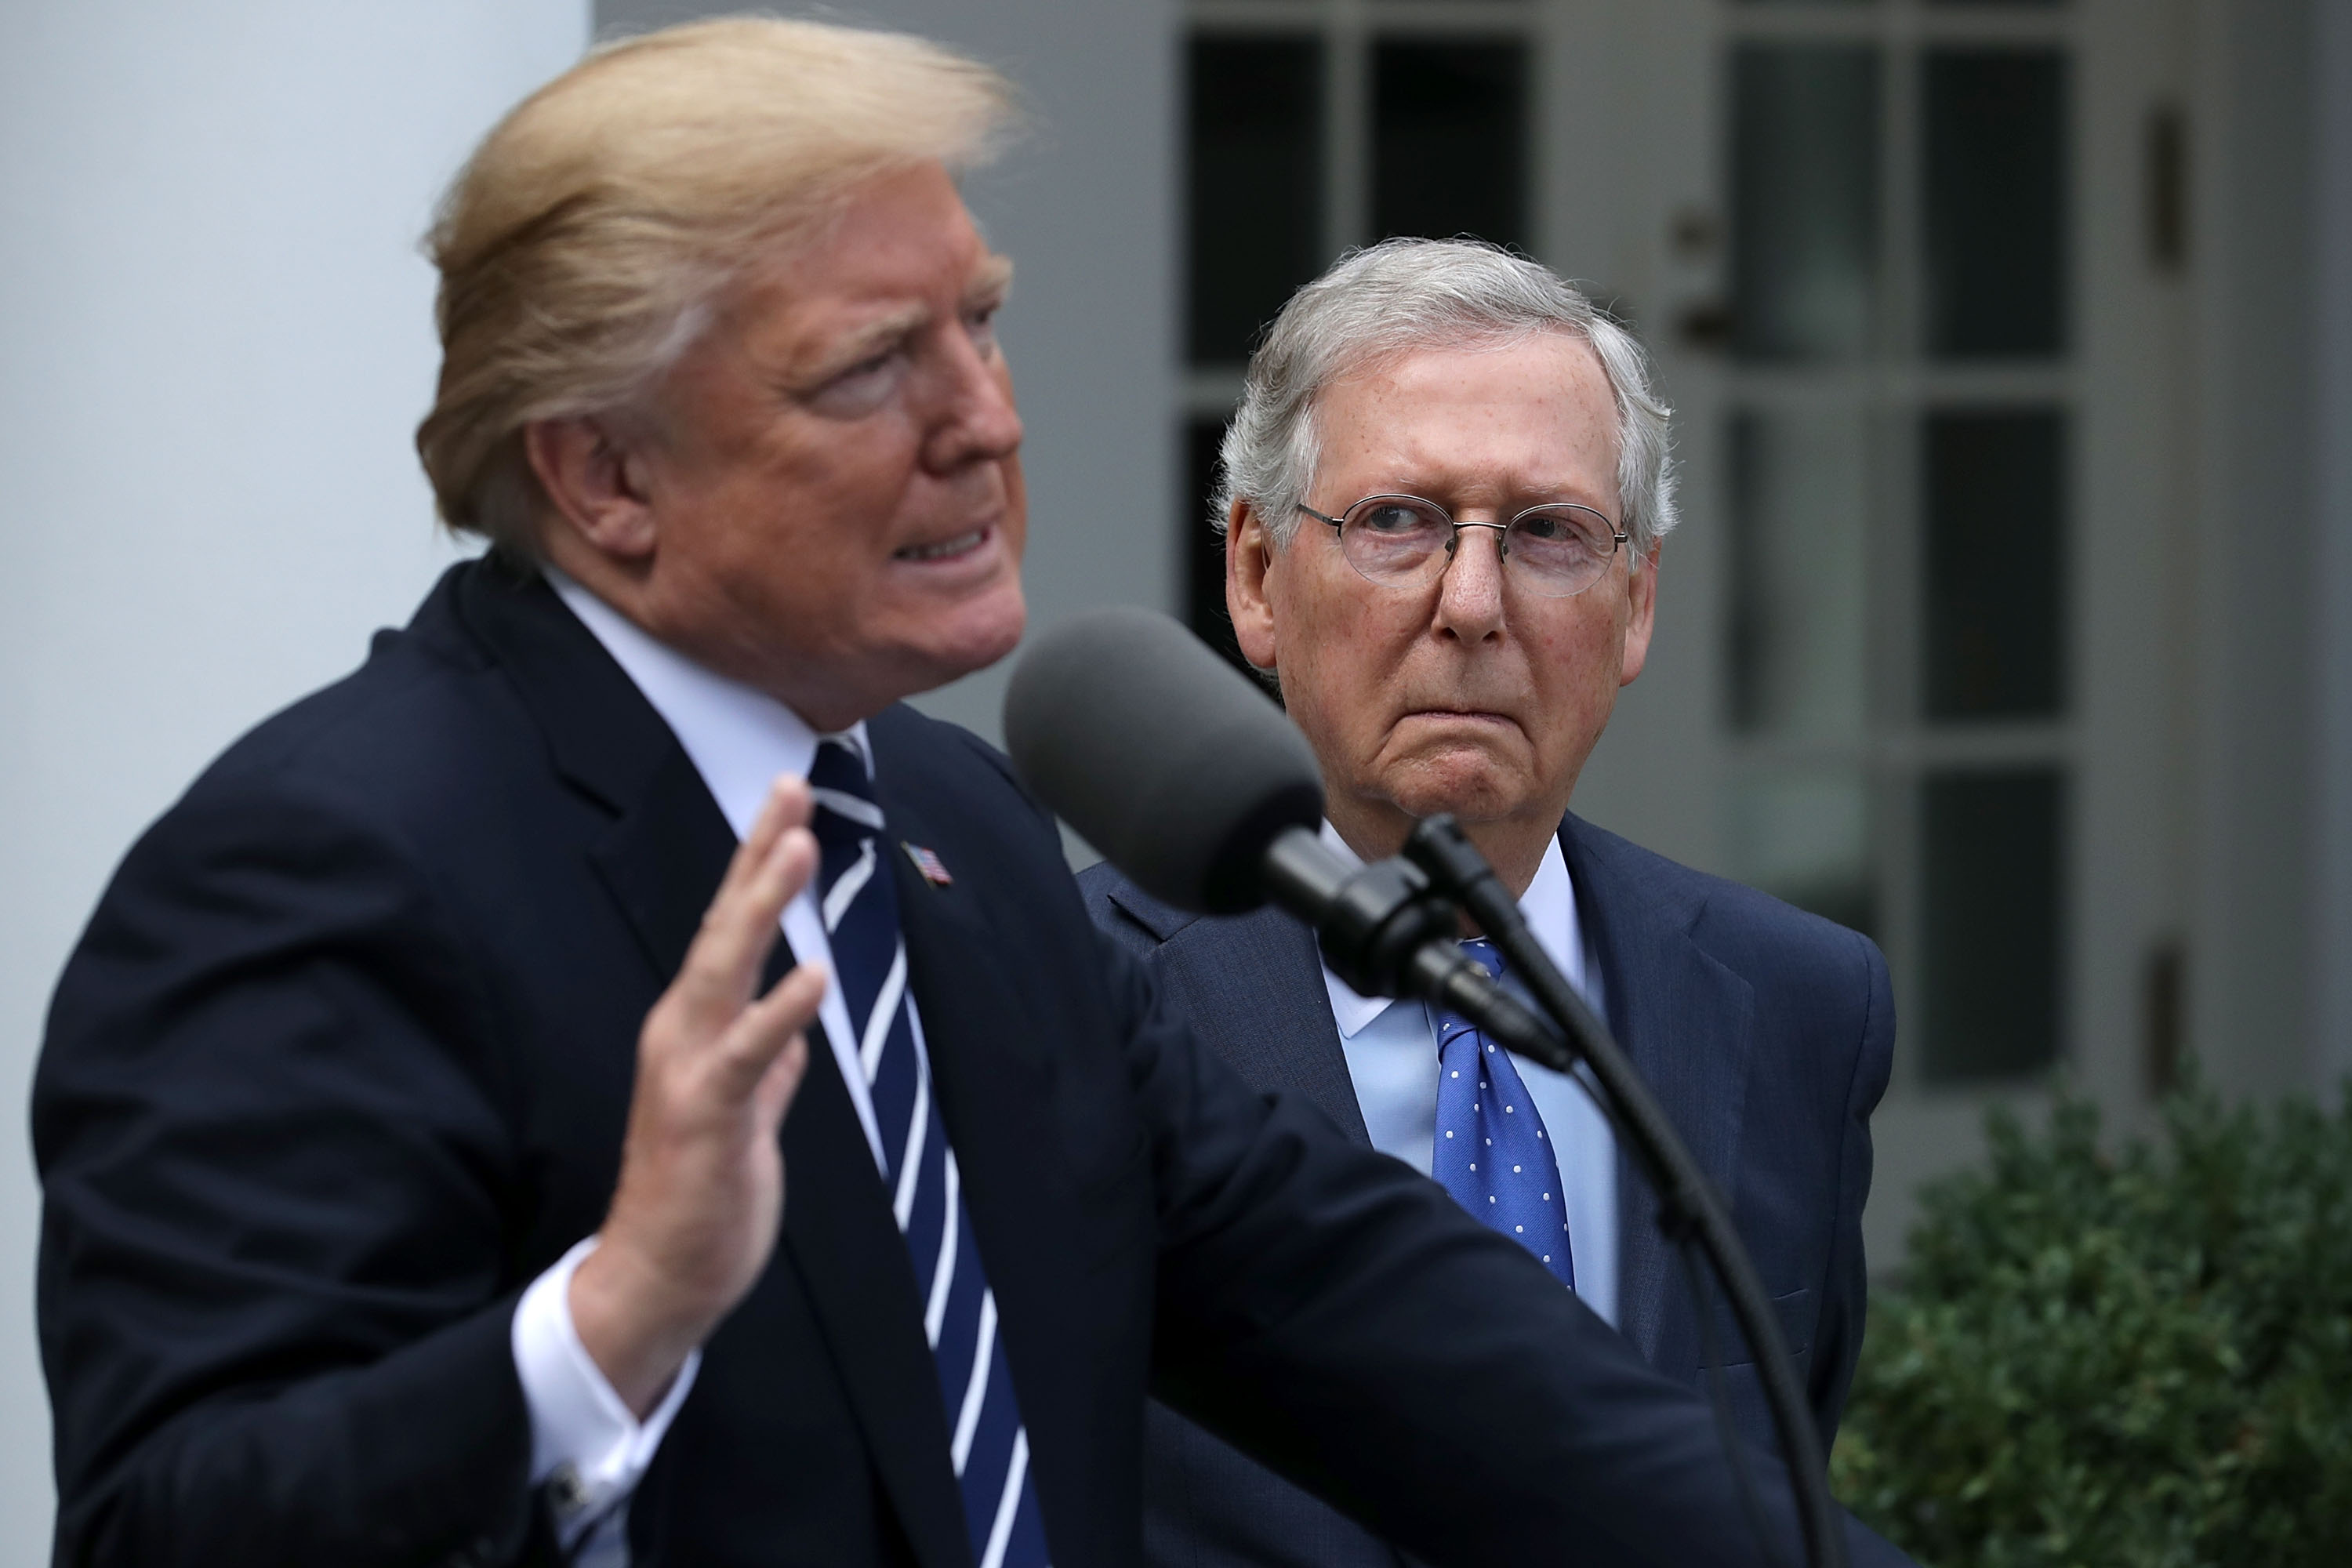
(1389, 930)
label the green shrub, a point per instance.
(2141, 1358)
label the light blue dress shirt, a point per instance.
(1392, 1051)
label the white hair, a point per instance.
(1404, 295)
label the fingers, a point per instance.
(787, 806)
(770, 867)
(701, 1175)
(768, 1029)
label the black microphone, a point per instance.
(1162, 756)
(1188, 779)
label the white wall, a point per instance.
(2256, 953)
(215, 339)
(2332, 286)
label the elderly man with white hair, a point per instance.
(1444, 495)
(413, 1115)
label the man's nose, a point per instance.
(1470, 593)
(976, 420)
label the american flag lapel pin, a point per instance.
(928, 864)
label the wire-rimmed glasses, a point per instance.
(1556, 550)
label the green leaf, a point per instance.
(2129, 1356)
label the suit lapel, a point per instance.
(846, 1246)
(663, 859)
(1687, 1022)
(1253, 990)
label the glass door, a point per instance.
(1927, 355)
(1914, 272)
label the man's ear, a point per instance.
(595, 483)
(1641, 614)
(1249, 555)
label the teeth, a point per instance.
(946, 547)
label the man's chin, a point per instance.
(1470, 783)
(972, 637)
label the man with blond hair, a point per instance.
(413, 1116)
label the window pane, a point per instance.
(1990, 937)
(1995, 201)
(1995, 564)
(1803, 834)
(1255, 223)
(1800, 505)
(1804, 199)
(1449, 139)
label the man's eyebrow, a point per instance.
(995, 277)
(870, 339)
(988, 284)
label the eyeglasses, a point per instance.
(1404, 541)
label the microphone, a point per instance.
(1188, 779)
(1161, 756)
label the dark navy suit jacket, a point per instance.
(1766, 1034)
(343, 1062)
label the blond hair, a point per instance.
(582, 244)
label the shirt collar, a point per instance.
(1548, 904)
(738, 738)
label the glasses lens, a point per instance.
(1392, 539)
(1561, 550)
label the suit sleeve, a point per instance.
(275, 1276)
(1846, 1288)
(1337, 1317)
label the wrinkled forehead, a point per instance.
(1534, 410)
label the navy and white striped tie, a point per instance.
(987, 1442)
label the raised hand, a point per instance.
(701, 1192)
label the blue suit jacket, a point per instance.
(1766, 1034)
(344, 1058)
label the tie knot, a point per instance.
(844, 793)
(1481, 953)
(1451, 1025)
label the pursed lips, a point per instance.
(1451, 717)
(1486, 713)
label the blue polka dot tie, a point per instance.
(1492, 1152)
(990, 1447)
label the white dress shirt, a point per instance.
(586, 1444)
(1392, 1051)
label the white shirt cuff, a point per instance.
(586, 1447)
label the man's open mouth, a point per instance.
(963, 544)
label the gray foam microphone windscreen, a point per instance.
(1161, 756)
